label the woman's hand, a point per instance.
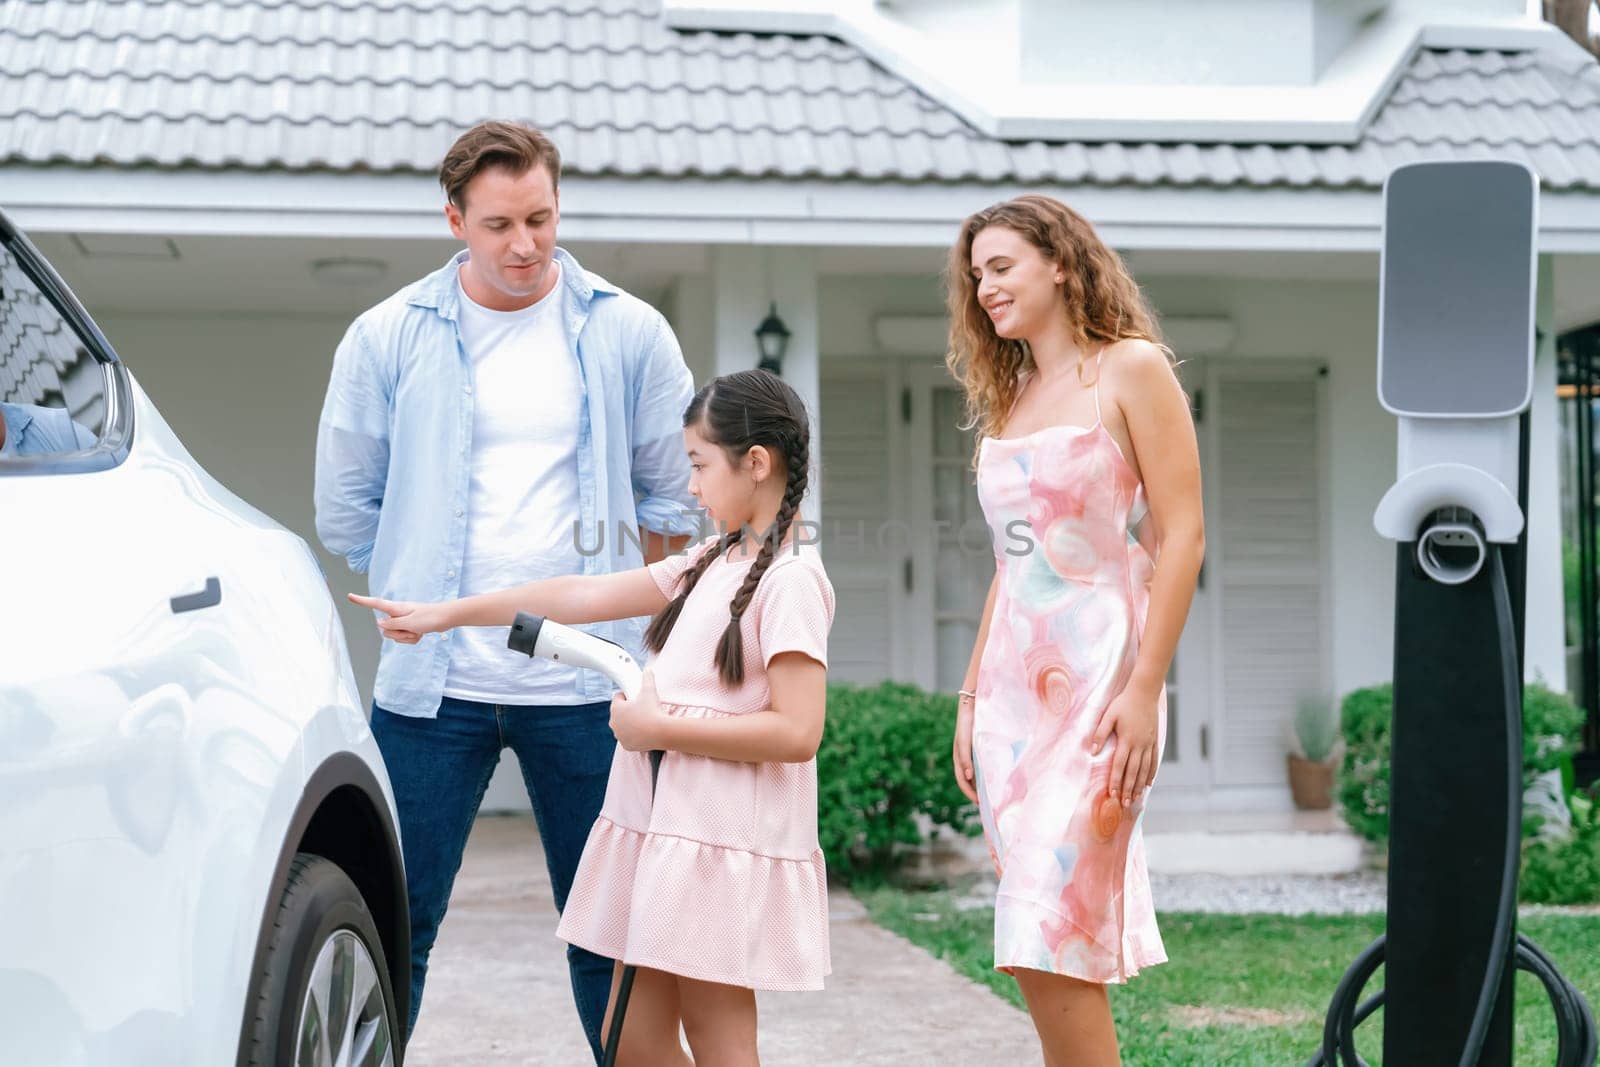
(636, 721)
(1132, 718)
(962, 750)
(407, 622)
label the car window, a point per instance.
(52, 390)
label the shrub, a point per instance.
(1552, 727)
(1564, 869)
(1364, 779)
(883, 774)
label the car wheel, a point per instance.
(322, 996)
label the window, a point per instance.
(54, 404)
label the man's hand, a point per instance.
(658, 546)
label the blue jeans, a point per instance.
(440, 768)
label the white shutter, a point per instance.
(857, 498)
(1267, 559)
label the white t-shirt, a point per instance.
(522, 505)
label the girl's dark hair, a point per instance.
(739, 411)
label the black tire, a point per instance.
(321, 915)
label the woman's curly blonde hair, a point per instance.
(1103, 303)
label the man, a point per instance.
(486, 426)
(32, 430)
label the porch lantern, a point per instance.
(772, 338)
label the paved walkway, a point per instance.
(498, 993)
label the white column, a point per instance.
(1546, 639)
(794, 284)
(739, 301)
(747, 281)
(690, 311)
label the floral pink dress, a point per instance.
(1074, 895)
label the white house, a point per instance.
(227, 183)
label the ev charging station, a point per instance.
(1455, 366)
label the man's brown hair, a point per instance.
(515, 146)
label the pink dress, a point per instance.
(1074, 896)
(721, 878)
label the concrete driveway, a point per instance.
(498, 993)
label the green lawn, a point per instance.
(1241, 989)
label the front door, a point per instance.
(1266, 532)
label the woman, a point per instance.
(1089, 477)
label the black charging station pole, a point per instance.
(1454, 668)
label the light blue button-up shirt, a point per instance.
(32, 430)
(393, 465)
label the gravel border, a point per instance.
(1362, 892)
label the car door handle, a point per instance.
(209, 597)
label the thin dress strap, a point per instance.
(1097, 355)
(1022, 383)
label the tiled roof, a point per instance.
(384, 85)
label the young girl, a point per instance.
(717, 887)
(1084, 438)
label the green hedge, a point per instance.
(1565, 872)
(1553, 872)
(884, 761)
(1364, 780)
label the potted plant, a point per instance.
(1315, 748)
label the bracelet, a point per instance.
(968, 693)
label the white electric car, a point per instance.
(199, 861)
